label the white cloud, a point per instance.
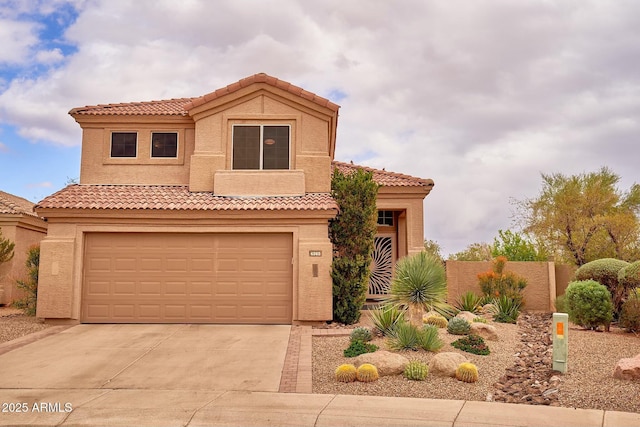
(480, 96)
(44, 184)
(51, 56)
(17, 39)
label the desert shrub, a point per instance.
(498, 282)
(469, 302)
(472, 344)
(561, 304)
(605, 271)
(356, 348)
(589, 304)
(386, 318)
(505, 309)
(630, 314)
(458, 326)
(30, 284)
(428, 338)
(416, 370)
(361, 334)
(629, 278)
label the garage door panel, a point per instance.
(187, 278)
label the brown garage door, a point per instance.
(187, 278)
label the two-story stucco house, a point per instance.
(209, 210)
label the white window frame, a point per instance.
(261, 125)
(111, 144)
(151, 156)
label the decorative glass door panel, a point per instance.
(384, 258)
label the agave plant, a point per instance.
(469, 302)
(419, 285)
(505, 309)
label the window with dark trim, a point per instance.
(261, 147)
(385, 218)
(164, 144)
(124, 144)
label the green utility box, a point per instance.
(560, 341)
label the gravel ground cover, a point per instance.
(13, 324)
(587, 384)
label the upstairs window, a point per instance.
(164, 144)
(124, 144)
(261, 147)
(385, 218)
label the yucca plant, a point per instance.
(469, 302)
(428, 338)
(419, 285)
(506, 309)
(386, 318)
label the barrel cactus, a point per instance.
(416, 370)
(367, 373)
(346, 373)
(361, 334)
(458, 326)
(467, 372)
(436, 320)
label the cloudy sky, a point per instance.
(481, 96)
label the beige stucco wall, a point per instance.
(411, 222)
(24, 231)
(538, 295)
(61, 267)
(97, 166)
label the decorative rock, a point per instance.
(387, 363)
(628, 369)
(488, 332)
(467, 315)
(445, 364)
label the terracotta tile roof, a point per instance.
(14, 205)
(169, 197)
(181, 106)
(169, 107)
(263, 78)
(385, 178)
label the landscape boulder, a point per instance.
(467, 315)
(445, 364)
(488, 332)
(628, 369)
(387, 363)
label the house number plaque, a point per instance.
(315, 253)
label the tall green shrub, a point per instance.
(589, 304)
(629, 278)
(30, 285)
(605, 271)
(352, 233)
(6, 249)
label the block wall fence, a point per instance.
(546, 280)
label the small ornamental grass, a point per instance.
(506, 309)
(469, 302)
(409, 337)
(472, 344)
(356, 348)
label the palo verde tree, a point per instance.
(584, 217)
(352, 233)
(516, 247)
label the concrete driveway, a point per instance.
(151, 357)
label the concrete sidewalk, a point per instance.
(245, 408)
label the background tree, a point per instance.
(474, 252)
(30, 284)
(584, 217)
(6, 249)
(352, 233)
(433, 248)
(516, 247)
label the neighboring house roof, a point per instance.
(385, 178)
(181, 106)
(10, 204)
(174, 197)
